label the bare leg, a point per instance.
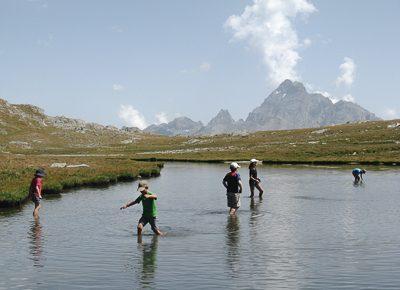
(139, 229)
(259, 188)
(36, 210)
(139, 239)
(158, 232)
(251, 190)
(232, 211)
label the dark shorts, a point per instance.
(151, 220)
(35, 199)
(252, 183)
(233, 199)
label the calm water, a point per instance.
(312, 230)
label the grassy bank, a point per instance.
(16, 172)
(362, 143)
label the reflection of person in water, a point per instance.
(36, 247)
(149, 261)
(255, 209)
(232, 242)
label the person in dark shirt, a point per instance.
(35, 190)
(233, 184)
(358, 173)
(254, 181)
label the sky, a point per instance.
(136, 63)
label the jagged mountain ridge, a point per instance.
(290, 106)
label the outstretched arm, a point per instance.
(128, 204)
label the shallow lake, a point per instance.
(312, 230)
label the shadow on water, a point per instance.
(36, 243)
(149, 261)
(313, 198)
(358, 183)
(233, 243)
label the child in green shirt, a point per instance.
(149, 215)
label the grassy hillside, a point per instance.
(368, 142)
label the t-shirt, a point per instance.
(357, 171)
(232, 179)
(253, 173)
(149, 205)
(36, 182)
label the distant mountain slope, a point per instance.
(290, 106)
(27, 127)
(222, 123)
(179, 126)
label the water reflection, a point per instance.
(233, 245)
(149, 261)
(36, 243)
(255, 212)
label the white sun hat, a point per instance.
(254, 160)
(234, 165)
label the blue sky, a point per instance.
(140, 62)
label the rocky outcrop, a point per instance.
(179, 126)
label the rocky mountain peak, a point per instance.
(290, 87)
(223, 115)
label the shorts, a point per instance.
(35, 199)
(233, 199)
(151, 220)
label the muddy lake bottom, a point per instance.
(314, 229)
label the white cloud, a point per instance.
(117, 29)
(267, 25)
(389, 114)
(161, 118)
(205, 66)
(347, 72)
(307, 42)
(324, 93)
(132, 117)
(118, 87)
(348, 98)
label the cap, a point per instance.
(40, 172)
(234, 165)
(254, 160)
(142, 185)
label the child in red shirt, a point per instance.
(35, 190)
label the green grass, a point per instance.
(17, 173)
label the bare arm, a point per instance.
(128, 204)
(240, 186)
(39, 191)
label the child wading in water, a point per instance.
(254, 181)
(233, 185)
(149, 215)
(358, 174)
(35, 190)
